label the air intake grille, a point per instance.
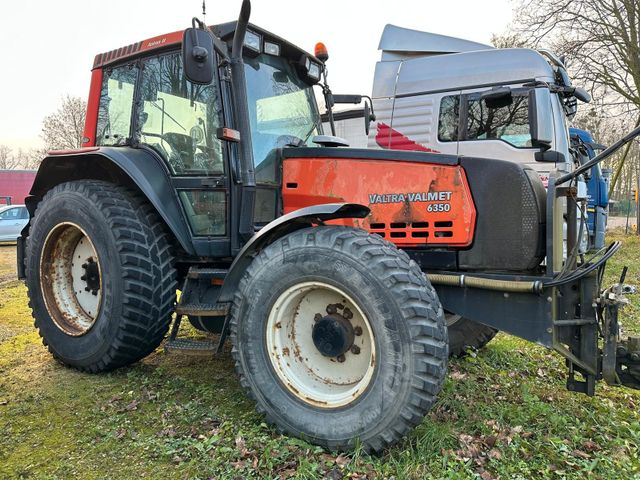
(417, 232)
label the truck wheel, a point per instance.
(339, 337)
(100, 275)
(465, 334)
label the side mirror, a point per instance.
(582, 95)
(541, 119)
(198, 55)
(367, 118)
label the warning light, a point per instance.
(321, 52)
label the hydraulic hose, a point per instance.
(485, 283)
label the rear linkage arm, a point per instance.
(620, 359)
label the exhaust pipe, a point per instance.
(241, 110)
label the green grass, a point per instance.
(504, 413)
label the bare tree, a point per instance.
(7, 159)
(510, 39)
(64, 128)
(30, 159)
(600, 40)
(599, 37)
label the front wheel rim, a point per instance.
(71, 279)
(315, 378)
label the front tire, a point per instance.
(100, 275)
(303, 305)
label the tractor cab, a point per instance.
(141, 97)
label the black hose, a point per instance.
(583, 271)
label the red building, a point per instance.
(15, 185)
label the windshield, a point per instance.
(282, 107)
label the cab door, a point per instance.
(179, 121)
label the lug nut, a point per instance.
(84, 265)
(341, 358)
(317, 317)
(357, 331)
(348, 314)
(83, 277)
(355, 349)
(331, 309)
(95, 292)
(86, 289)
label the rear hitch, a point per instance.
(620, 358)
(628, 362)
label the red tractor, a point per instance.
(204, 168)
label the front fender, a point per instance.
(132, 167)
(301, 218)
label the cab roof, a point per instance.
(161, 42)
(457, 71)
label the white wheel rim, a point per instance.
(310, 376)
(71, 279)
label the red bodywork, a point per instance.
(437, 208)
(16, 184)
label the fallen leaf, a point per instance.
(590, 446)
(581, 454)
(495, 454)
(486, 476)
(490, 440)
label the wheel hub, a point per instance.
(333, 335)
(91, 276)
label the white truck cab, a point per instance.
(447, 95)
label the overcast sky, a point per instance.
(48, 47)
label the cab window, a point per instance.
(508, 123)
(116, 99)
(449, 118)
(178, 119)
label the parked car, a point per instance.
(13, 219)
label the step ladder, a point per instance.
(200, 293)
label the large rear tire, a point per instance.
(100, 275)
(339, 337)
(465, 334)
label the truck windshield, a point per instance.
(282, 107)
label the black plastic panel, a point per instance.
(511, 216)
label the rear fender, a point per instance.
(136, 168)
(301, 218)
